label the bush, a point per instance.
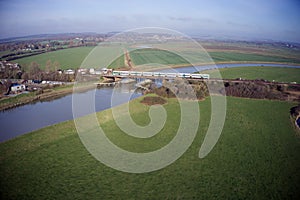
(153, 100)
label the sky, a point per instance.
(234, 19)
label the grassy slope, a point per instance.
(279, 74)
(257, 156)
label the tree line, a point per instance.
(33, 71)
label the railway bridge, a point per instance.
(118, 75)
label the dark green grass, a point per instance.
(256, 157)
(234, 56)
(280, 74)
(147, 56)
(67, 58)
(117, 63)
(2, 53)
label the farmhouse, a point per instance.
(17, 88)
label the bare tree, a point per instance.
(48, 67)
(25, 76)
(56, 65)
(35, 71)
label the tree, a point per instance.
(71, 43)
(48, 66)
(56, 65)
(25, 76)
(35, 71)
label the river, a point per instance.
(30, 117)
(34, 116)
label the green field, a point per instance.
(145, 56)
(77, 57)
(73, 58)
(67, 58)
(226, 52)
(256, 157)
(234, 56)
(2, 53)
(279, 74)
(117, 63)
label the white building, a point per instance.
(82, 71)
(69, 71)
(92, 71)
(18, 88)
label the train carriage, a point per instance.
(160, 74)
(184, 75)
(147, 73)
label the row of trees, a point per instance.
(51, 72)
(34, 72)
(10, 73)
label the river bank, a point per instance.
(48, 94)
(24, 99)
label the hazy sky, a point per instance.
(257, 19)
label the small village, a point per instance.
(14, 81)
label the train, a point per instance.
(160, 74)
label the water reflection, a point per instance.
(31, 117)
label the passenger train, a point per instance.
(160, 74)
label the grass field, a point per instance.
(148, 56)
(279, 74)
(111, 56)
(2, 53)
(67, 58)
(257, 157)
(145, 56)
(117, 63)
(73, 58)
(234, 56)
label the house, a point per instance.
(17, 87)
(106, 71)
(82, 71)
(69, 71)
(98, 72)
(92, 71)
(60, 71)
